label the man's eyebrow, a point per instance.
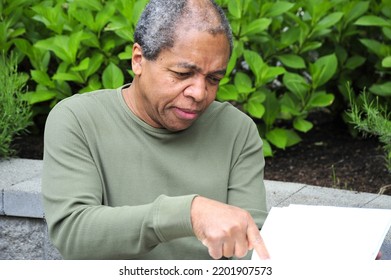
(198, 69)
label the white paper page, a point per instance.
(324, 232)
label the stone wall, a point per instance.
(24, 238)
(23, 230)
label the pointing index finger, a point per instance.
(257, 243)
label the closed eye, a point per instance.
(214, 80)
(183, 75)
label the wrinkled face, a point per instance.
(175, 89)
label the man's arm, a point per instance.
(80, 226)
(232, 229)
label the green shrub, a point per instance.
(14, 110)
(290, 57)
(275, 75)
(72, 46)
(373, 118)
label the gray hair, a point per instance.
(155, 29)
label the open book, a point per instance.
(303, 232)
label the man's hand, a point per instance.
(226, 230)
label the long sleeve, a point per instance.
(79, 224)
(246, 186)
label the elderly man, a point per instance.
(158, 169)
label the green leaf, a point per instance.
(372, 20)
(386, 62)
(12, 6)
(42, 78)
(127, 54)
(315, 10)
(267, 149)
(17, 32)
(381, 89)
(91, 40)
(232, 63)
(289, 107)
(52, 17)
(278, 8)
(95, 63)
(269, 73)
(320, 33)
(85, 17)
(49, 44)
(376, 47)
(302, 125)
(293, 138)
(324, 70)
(296, 84)
(329, 20)
(94, 5)
(303, 35)
(255, 62)
(255, 109)
(112, 76)
(120, 26)
(243, 83)
(236, 27)
(321, 99)
(64, 47)
(83, 65)
(23, 45)
(227, 92)
(93, 84)
(272, 108)
(138, 9)
(235, 8)
(278, 137)
(341, 54)
(356, 11)
(282, 138)
(290, 36)
(69, 76)
(39, 96)
(104, 15)
(108, 45)
(311, 46)
(387, 32)
(74, 45)
(256, 26)
(292, 61)
(63, 89)
(224, 81)
(258, 96)
(354, 62)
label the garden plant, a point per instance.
(290, 58)
(15, 114)
(373, 118)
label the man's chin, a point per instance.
(179, 126)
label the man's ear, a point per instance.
(137, 58)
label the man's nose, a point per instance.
(197, 90)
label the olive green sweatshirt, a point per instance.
(116, 188)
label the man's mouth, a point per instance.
(186, 114)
